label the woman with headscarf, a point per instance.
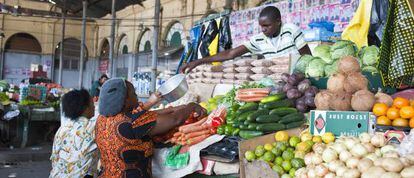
(123, 133)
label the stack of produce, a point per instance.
(196, 132)
(368, 56)
(260, 69)
(367, 157)
(399, 113)
(273, 113)
(286, 154)
(299, 90)
(212, 103)
(347, 89)
(252, 94)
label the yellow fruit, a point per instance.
(328, 137)
(380, 109)
(305, 137)
(383, 120)
(303, 147)
(204, 105)
(400, 122)
(317, 139)
(268, 147)
(281, 136)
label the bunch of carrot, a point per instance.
(193, 133)
(252, 94)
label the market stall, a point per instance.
(346, 110)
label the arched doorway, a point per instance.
(174, 40)
(71, 62)
(144, 48)
(175, 36)
(104, 57)
(21, 51)
(122, 62)
(144, 44)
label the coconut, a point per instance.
(383, 98)
(336, 83)
(362, 100)
(355, 81)
(348, 64)
(341, 101)
(322, 100)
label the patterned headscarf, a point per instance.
(112, 97)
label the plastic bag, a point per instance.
(177, 160)
(278, 69)
(218, 68)
(407, 145)
(281, 61)
(229, 76)
(379, 13)
(245, 69)
(228, 64)
(243, 62)
(242, 76)
(229, 70)
(357, 30)
(261, 70)
(262, 63)
(218, 75)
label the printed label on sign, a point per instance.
(320, 122)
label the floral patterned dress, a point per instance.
(124, 144)
(74, 152)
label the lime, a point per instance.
(328, 137)
(279, 161)
(317, 139)
(286, 165)
(292, 172)
(286, 176)
(288, 155)
(212, 100)
(297, 163)
(268, 147)
(278, 169)
(281, 136)
(293, 141)
(274, 144)
(276, 152)
(302, 146)
(249, 155)
(259, 151)
(269, 156)
(300, 154)
(262, 158)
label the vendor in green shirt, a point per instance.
(96, 86)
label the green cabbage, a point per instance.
(324, 52)
(302, 63)
(331, 69)
(343, 48)
(316, 68)
(369, 55)
(370, 69)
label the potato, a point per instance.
(392, 164)
(408, 172)
(391, 175)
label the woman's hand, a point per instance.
(197, 110)
(154, 99)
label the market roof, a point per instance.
(96, 8)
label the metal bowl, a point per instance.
(174, 88)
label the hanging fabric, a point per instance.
(396, 63)
(210, 34)
(378, 18)
(357, 30)
(225, 35)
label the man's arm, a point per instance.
(219, 57)
(305, 50)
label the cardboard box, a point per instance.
(341, 122)
(251, 145)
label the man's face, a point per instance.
(269, 27)
(103, 80)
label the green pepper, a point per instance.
(235, 132)
(228, 130)
(220, 130)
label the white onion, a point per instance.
(372, 156)
(333, 166)
(405, 161)
(392, 164)
(378, 152)
(378, 140)
(369, 147)
(339, 147)
(387, 148)
(308, 158)
(391, 154)
(350, 143)
(321, 170)
(352, 162)
(391, 175)
(408, 172)
(301, 173)
(378, 162)
(330, 175)
(329, 155)
(365, 137)
(318, 148)
(365, 164)
(344, 156)
(311, 172)
(358, 150)
(341, 171)
(352, 173)
(373, 172)
(317, 159)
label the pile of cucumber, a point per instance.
(272, 114)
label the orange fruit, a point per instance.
(412, 103)
(407, 112)
(393, 113)
(383, 120)
(411, 123)
(400, 102)
(380, 109)
(400, 122)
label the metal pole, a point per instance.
(82, 52)
(112, 42)
(61, 43)
(155, 45)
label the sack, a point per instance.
(258, 77)
(229, 70)
(262, 63)
(242, 76)
(261, 70)
(245, 69)
(229, 76)
(243, 62)
(218, 75)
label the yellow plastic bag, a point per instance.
(357, 30)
